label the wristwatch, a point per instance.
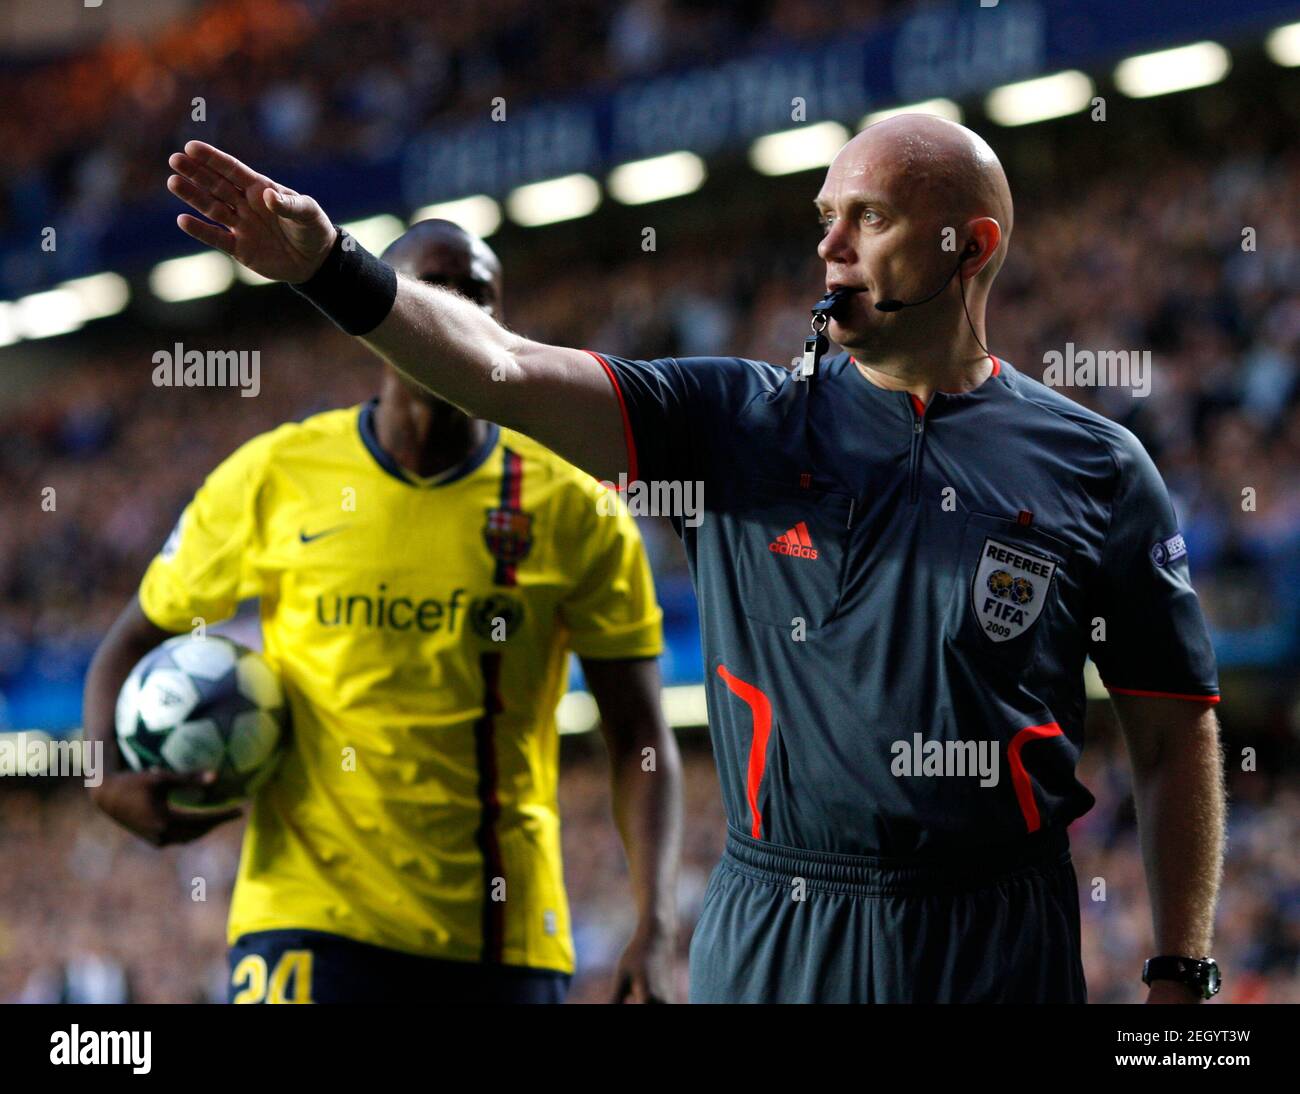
(1201, 974)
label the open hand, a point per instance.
(274, 231)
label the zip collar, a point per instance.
(908, 406)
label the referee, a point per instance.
(902, 567)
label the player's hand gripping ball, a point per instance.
(195, 705)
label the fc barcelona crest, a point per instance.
(508, 534)
(1009, 589)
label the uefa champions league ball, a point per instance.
(203, 704)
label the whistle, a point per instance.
(816, 344)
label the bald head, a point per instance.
(948, 173)
(443, 253)
(903, 203)
(955, 161)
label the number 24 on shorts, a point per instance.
(290, 982)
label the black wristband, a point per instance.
(353, 288)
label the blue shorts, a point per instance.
(298, 966)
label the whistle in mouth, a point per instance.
(816, 344)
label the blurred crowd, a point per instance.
(90, 914)
(1148, 257)
(309, 78)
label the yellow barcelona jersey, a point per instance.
(421, 629)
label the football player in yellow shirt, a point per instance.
(421, 577)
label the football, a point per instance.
(203, 704)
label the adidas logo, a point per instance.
(794, 542)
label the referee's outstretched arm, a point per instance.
(561, 397)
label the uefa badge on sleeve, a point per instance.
(1169, 550)
(1009, 589)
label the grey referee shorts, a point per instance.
(995, 925)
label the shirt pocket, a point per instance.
(789, 546)
(1006, 591)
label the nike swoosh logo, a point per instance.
(305, 538)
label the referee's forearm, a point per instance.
(561, 397)
(452, 347)
(1180, 809)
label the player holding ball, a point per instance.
(421, 576)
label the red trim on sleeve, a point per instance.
(1163, 694)
(627, 422)
(761, 710)
(997, 366)
(1020, 777)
